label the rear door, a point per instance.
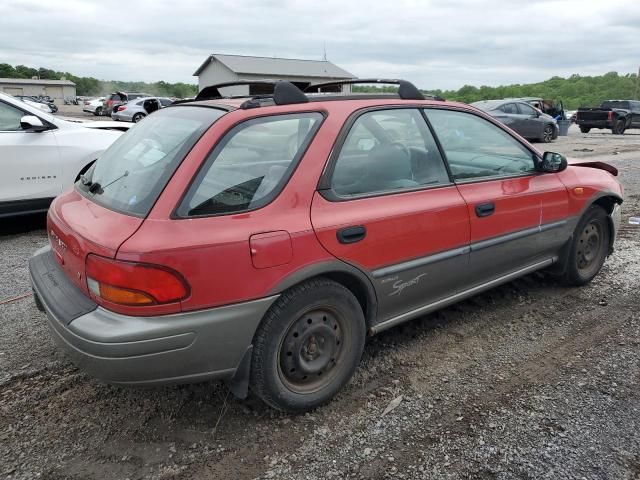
(386, 205)
(30, 162)
(518, 217)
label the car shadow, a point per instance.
(23, 224)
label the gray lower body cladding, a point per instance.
(179, 348)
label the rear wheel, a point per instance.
(308, 346)
(98, 111)
(584, 129)
(619, 127)
(547, 134)
(137, 117)
(589, 247)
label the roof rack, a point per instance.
(406, 90)
(284, 93)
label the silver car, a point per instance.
(136, 110)
(529, 122)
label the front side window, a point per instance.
(250, 165)
(476, 148)
(10, 118)
(388, 150)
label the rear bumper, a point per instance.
(180, 348)
(594, 123)
(120, 116)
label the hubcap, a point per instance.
(311, 351)
(589, 244)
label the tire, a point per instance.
(98, 111)
(307, 346)
(547, 134)
(589, 247)
(619, 127)
(585, 129)
(137, 117)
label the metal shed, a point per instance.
(56, 89)
(220, 68)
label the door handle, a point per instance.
(485, 209)
(351, 234)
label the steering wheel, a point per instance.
(402, 147)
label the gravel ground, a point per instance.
(530, 380)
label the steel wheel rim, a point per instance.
(312, 350)
(589, 247)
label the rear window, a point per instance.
(250, 165)
(616, 104)
(130, 174)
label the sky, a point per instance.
(442, 44)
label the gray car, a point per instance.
(136, 110)
(530, 123)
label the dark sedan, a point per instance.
(532, 124)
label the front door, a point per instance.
(30, 164)
(387, 206)
(513, 209)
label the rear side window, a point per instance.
(388, 150)
(250, 165)
(132, 172)
(510, 108)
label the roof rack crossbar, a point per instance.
(284, 93)
(406, 90)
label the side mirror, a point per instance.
(32, 123)
(552, 162)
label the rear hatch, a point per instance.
(110, 202)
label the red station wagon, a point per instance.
(259, 240)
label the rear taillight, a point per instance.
(86, 102)
(120, 108)
(610, 116)
(134, 284)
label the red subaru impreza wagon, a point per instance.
(260, 239)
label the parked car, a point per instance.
(43, 107)
(38, 102)
(136, 110)
(553, 108)
(94, 106)
(532, 124)
(617, 115)
(259, 240)
(118, 98)
(41, 155)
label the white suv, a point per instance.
(41, 155)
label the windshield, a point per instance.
(130, 174)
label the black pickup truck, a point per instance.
(618, 115)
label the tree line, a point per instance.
(89, 86)
(575, 91)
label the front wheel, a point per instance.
(585, 129)
(137, 117)
(589, 247)
(547, 134)
(307, 346)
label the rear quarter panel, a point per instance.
(213, 253)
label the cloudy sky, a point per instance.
(435, 44)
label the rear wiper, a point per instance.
(97, 189)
